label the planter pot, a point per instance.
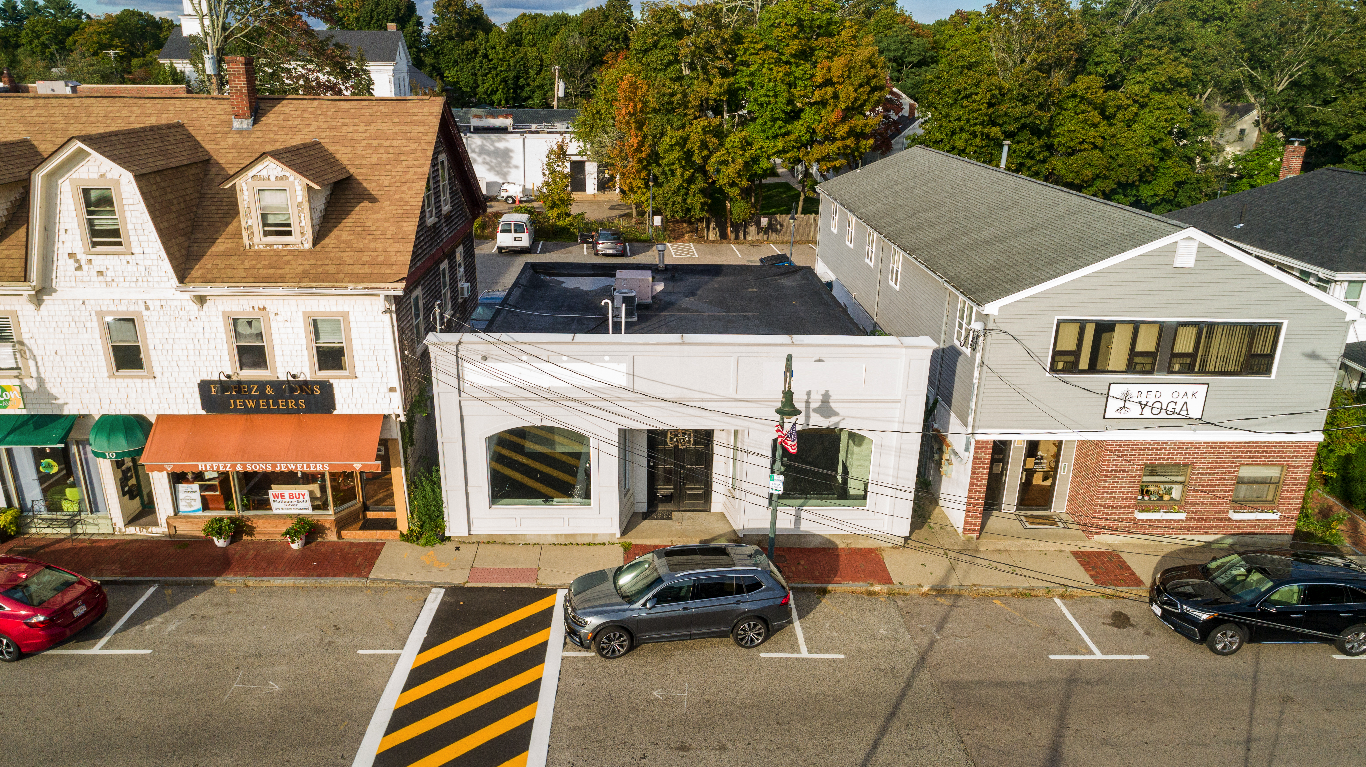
(296, 544)
(221, 542)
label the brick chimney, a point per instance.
(7, 84)
(392, 27)
(241, 90)
(1293, 159)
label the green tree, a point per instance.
(555, 194)
(135, 35)
(48, 27)
(455, 45)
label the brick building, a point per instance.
(235, 275)
(1098, 367)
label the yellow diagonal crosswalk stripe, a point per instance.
(463, 707)
(517, 761)
(484, 630)
(473, 667)
(471, 742)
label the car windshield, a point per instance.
(1237, 577)
(40, 587)
(636, 579)
(483, 312)
(609, 236)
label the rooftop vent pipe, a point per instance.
(1005, 151)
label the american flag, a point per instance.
(788, 439)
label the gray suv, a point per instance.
(679, 592)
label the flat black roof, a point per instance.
(738, 299)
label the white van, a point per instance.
(514, 233)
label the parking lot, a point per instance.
(295, 675)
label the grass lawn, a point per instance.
(780, 197)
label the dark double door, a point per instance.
(680, 471)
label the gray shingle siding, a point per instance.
(1218, 287)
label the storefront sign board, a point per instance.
(333, 466)
(11, 397)
(287, 397)
(290, 502)
(1163, 401)
(187, 499)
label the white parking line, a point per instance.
(579, 654)
(775, 248)
(379, 652)
(550, 683)
(737, 251)
(379, 722)
(1089, 643)
(1349, 657)
(801, 639)
(98, 648)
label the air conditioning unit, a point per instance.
(464, 290)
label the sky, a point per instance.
(504, 10)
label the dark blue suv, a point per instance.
(1267, 596)
(679, 592)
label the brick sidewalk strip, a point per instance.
(503, 575)
(817, 565)
(109, 558)
(1107, 568)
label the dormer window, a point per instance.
(273, 207)
(101, 211)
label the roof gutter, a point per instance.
(275, 290)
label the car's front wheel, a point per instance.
(1353, 640)
(749, 632)
(510, 200)
(1226, 639)
(612, 642)
(9, 649)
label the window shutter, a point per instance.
(9, 350)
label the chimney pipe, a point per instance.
(1005, 151)
(1293, 159)
(392, 27)
(242, 90)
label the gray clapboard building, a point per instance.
(1097, 366)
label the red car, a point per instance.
(40, 605)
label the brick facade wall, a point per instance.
(977, 488)
(1103, 497)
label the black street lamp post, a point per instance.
(786, 409)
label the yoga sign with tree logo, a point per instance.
(1167, 401)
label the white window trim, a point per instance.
(415, 306)
(429, 199)
(19, 350)
(894, 268)
(834, 217)
(870, 254)
(346, 344)
(849, 235)
(962, 331)
(103, 318)
(254, 211)
(264, 317)
(443, 172)
(112, 184)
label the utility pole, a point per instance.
(555, 100)
(792, 230)
(112, 59)
(650, 221)
(786, 409)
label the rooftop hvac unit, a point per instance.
(624, 301)
(637, 280)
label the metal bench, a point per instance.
(43, 519)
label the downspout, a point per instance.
(976, 387)
(392, 306)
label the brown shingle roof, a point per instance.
(17, 160)
(147, 149)
(310, 161)
(367, 232)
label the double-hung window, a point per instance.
(962, 330)
(249, 337)
(329, 341)
(849, 235)
(125, 344)
(416, 306)
(894, 268)
(444, 173)
(446, 304)
(1258, 484)
(429, 200)
(1171, 347)
(1352, 293)
(273, 208)
(100, 207)
(870, 255)
(834, 217)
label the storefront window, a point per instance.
(378, 486)
(255, 487)
(202, 491)
(830, 468)
(539, 465)
(44, 479)
(343, 484)
(1163, 483)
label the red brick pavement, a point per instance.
(1107, 568)
(503, 575)
(166, 558)
(817, 565)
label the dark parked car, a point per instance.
(679, 592)
(609, 242)
(489, 302)
(40, 605)
(1269, 596)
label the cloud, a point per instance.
(926, 11)
(165, 8)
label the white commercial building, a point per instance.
(510, 145)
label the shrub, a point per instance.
(9, 522)
(220, 527)
(426, 512)
(1321, 530)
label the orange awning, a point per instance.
(273, 442)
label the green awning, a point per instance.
(119, 436)
(35, 430)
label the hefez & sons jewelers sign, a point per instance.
(297, 397)
(1167, 401)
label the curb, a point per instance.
(247, 580)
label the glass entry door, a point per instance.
(1038, 475)
(680, 471)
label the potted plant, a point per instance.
(298, 531)
(220, 529)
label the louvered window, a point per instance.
(9, 346)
